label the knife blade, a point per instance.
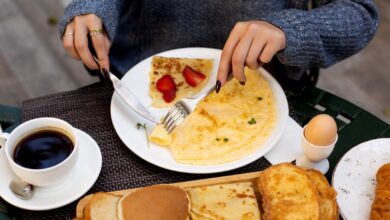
(127, 96)
(131, 100)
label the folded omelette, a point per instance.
(226, 126)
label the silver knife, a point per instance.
(129, 98)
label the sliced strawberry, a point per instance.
(193, 77)
(169, 96)
(165, 84)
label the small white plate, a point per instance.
(124, 119)
(354, 177)
(85, 174)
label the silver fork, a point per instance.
(175, 115)
(180, 111)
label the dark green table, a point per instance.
(355, 125)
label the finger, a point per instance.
(68, 41)
(98, 43)
(239, 56)
(252, 60)
(270, 49)
(107, 43)
(227, 52)
(81, 45)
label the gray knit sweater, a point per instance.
(318, 37)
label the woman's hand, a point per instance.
(250, 43)
(75, 41)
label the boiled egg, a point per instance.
(321, 130)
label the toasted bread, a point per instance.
(155, 202)
(380, 208)
(288, 193)
(326, 195)
(101, 207)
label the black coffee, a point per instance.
(43, 149)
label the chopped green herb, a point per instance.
(226, 139)
(139, 125)
(252, 121)
(259, 98)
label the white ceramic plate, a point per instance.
(125, 119)
(86, 172)
(354, 177)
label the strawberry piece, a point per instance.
(169, 96)
(193, 77)
(166, 84)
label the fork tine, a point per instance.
(175, 122)
(171, 117)
(175, 115)
(173, 108)
(175, 125)
(174, 118)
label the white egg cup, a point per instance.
(314, 156)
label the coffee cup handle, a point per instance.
(3, 138)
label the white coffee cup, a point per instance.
(47, 176)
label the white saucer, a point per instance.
(85, 174)
(354, 178)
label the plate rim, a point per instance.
(341, 159)
(218, 168)
(73, 198)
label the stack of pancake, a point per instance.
(282, 191)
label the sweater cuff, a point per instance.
(107, 11)
(298, 33)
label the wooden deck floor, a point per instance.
(33, 62)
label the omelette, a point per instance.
(180, 85)
(235, 201)
(226, 126)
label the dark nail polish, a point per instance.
(105, 73)
(242, 83)
(217, 86)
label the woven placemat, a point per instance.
(89, 110)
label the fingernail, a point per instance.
(104, 72)
(242, 83)
(217, 86)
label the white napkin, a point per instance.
(289, 146)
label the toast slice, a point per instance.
(288, 193)
(326, 195)
(102, 206)
(380, 208)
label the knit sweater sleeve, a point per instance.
(107, 10)
(320, 37)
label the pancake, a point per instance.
(226, 126)
(155, 202)
(236, 201)
(174, 67)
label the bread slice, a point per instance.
(380, 208)
(102, 206)
(326, 195)
(288, 193)
(155, 202)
